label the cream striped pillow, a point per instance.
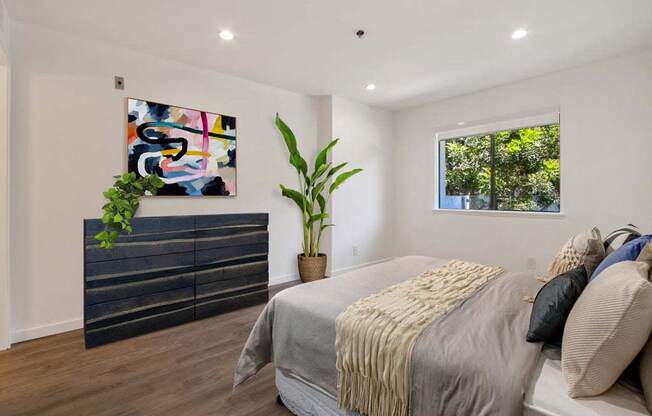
(607, 327)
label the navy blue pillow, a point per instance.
(628, 251)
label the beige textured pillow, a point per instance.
(585, 248)
(646, 373)
(646, 256)
(607, 327)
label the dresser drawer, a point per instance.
(126, 309)
(224, 288)
(211, 307)
(231, 271)
(143, 286)
(143, 325)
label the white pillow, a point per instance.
(607, 327)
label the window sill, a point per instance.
(487, 213)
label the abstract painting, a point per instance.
(193, 152)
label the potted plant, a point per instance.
(123, 201)
(315, 189)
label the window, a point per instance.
(513, 169)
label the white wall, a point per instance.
(5, 70)
(362, 207)
(68, 140)
(324, 137)
(606, 149)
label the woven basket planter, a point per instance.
(312, 268)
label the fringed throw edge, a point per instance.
(375, 336)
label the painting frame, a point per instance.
(126, 146)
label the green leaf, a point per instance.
(335, 170)
(117, 218)
(322, 202)
(324, 226)
(288, 135)
(316, 218)
(156, 181)
(291, 142)
(341, 178)
(316, 190)
(102, 235)
(111, 192)
(299, 163)
(323, 155)
(317, 174)
(296, 196)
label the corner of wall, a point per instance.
(324, 136)
(5, 73)
(362, 207)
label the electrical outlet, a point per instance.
(531, 263)
(355, 250)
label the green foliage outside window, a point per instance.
(510, 170)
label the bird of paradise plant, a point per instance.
(315, 188)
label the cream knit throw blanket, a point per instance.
(376, 334)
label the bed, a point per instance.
(473, 360)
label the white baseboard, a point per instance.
(277, 280)
(45, 330)
(342, 270)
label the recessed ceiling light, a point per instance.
(519, 33)
(371, 87)
(461, 123)
(226, 35)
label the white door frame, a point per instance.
(5, 310)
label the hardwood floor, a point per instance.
(185, 370)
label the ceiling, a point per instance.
(415, 51)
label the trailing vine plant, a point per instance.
(123, 201)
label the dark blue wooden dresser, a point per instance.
(172, 270)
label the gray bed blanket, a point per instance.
(472, 361)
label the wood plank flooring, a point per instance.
(185, 370)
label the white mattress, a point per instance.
(545, 397)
